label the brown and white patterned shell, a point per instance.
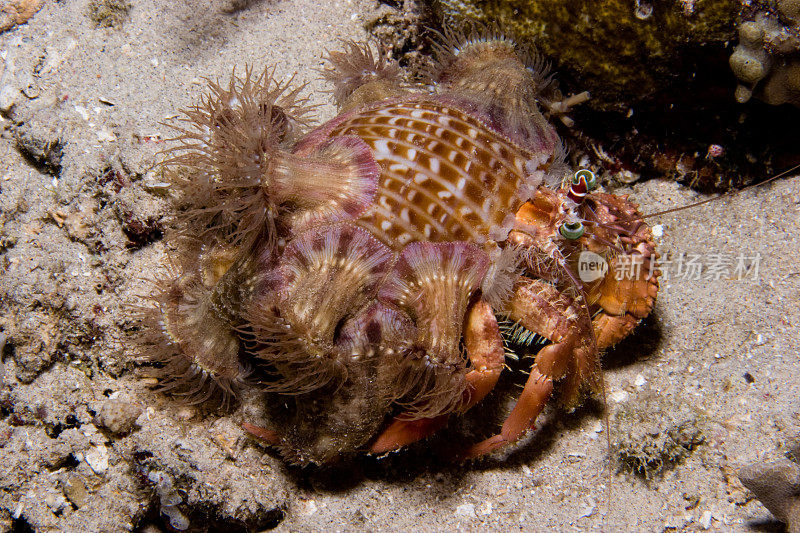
(445, 176)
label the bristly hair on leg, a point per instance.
(226, 146)
(515, 333)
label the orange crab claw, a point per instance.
(571, 356)
(610, 329)
(484, 345)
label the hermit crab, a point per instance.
(360, 269)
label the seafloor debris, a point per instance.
(118, 416)
(403, 31)
(653, 434)
(41, 144)
(169, 499)
(603, 47)
(109, 13)
(657, 67)
(619, 50)
(777, 485)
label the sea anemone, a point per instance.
(501, 79)
(358, 66)
(433, 283)
(324, 278)
(237, 179)
(188, 334)
(221, 165)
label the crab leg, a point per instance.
(610, 329)
(541, 308)
(267, 435)
(530, 403)
(404, 432)
(484, 346)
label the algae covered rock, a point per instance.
(767, 59)
(620, 50)
(663, 80)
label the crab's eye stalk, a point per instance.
(582, 182)
(572, 230)
(586, 175)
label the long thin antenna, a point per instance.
(714, 198)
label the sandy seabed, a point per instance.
(79, 211)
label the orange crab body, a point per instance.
(386, 243)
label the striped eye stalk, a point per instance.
(582, 182)
(572, 230)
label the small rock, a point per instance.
(109, 13)
(794, 452)
(596, 429)
(619, 396)
(118, 416)
(40, 140)
(145, 417)
(82, 111)
(75, 490)
(186, 412)
(777, 486)
(77, 223)
(56, 501)
(177, 519)
(104, 135)
(97, 459)
(308, 507)
(486, 508)
(8, 97)
(705, 520)
(466, 509)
